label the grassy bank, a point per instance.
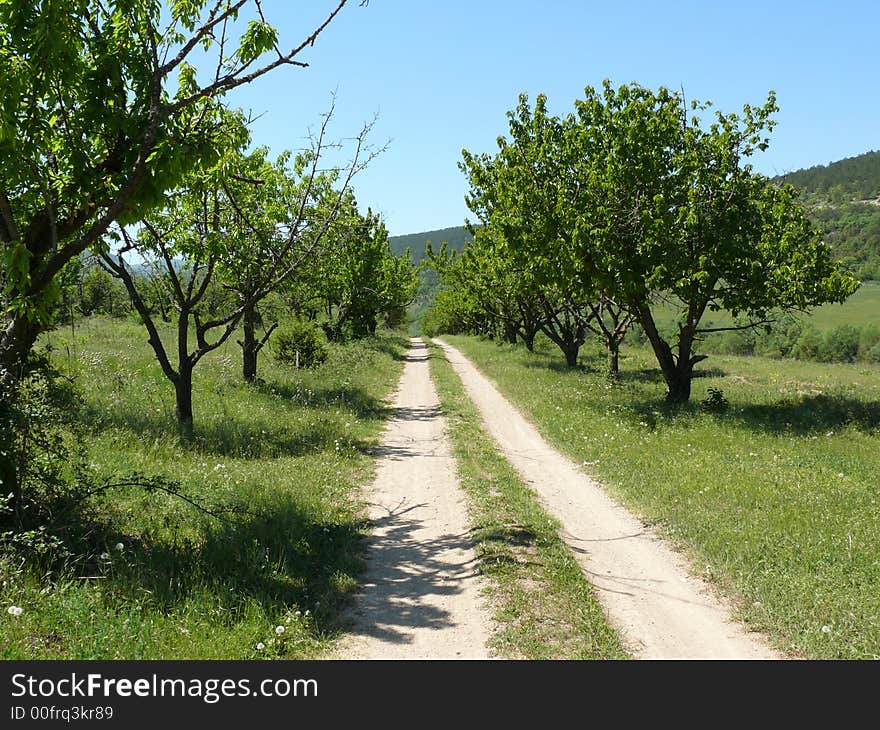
(276, 462)
(775, 499)
(544, 606)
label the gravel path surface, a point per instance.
(421, 593)
(660, 607)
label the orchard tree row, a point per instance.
(124, 168)
(588, 221)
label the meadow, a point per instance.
(859, 309)
(771, 489)
(258, 548)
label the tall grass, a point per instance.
(275, 462)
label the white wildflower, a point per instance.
(261, 646)
(279, 630)
(105, 556)
(119, 546)
(15, 610)
(826, 629)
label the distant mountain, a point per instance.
(456, 237)
(852, 178)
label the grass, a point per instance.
(543, 605)
(859, 309)
(775, 499)
(281, 457)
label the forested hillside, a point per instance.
(851, 178)
(456, 237)
(844, 198)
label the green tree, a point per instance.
(226, 239)
(102, 111)
(282, 215)
(631, 199)
(102, 294)
(527, 192)
(496, 293)
(359, 279)
(676, 210)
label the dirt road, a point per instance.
(660, 607)
(421, 594)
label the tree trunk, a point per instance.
(9, 476)
(676, 373)
(250, 349)
(509, 333)
(678, 383)
(528, 338)
(183, 381)
(614, 360)
(16, 341)
(183, 407)
(571, 350)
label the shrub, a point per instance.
(298, 336)
(840, 344)
(869, 342)
(715, 402)
(808, 344)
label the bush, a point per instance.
(807, 345)
(304, 338)
(715, 402)
(869, 343)
(840, 344)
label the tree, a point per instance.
(102, 111)
(627, 199)
(224, 231)
(101, 293)
(280, 217)
(525, 192)
(497, 295)
(359, 279)
(676, 210)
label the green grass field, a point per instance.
(859, 309)
(775, 499)
(278, 460)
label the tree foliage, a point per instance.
(359, 281)
(633, 196)
(102, 112)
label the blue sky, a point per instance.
(442, 75)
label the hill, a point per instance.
(848, 179)
(844, 200)
(456, 237)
